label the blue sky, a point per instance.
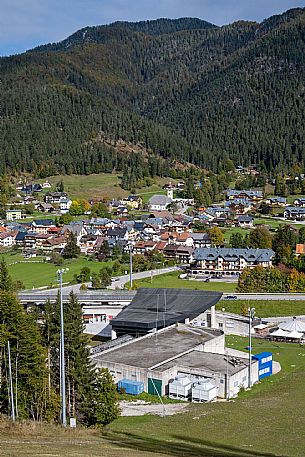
(28, 23)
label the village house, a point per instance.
(134, 201)
(54, 244)
(294, 213)
(41, 225)
(254, 196)
(77, 228)
(299, 202)
(7, 239)
(229, 261)
(144, 247)
(87, 244)
(201, 240)
(239, 205)
(45, 207)
(13, 214)
(245, 221)
(277, 201)
(64, 205)
(55, 197)
(182, 254)
(216, 214)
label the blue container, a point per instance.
(264, 364)
(131, 387)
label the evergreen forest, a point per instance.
(156, 96)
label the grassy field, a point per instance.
(229, 231)
(102, 185)
(171, 280)
(265, 308)
(273, 222)
(34, 274)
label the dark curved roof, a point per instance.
(157, 308)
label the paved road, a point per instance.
(259, 296)
(122, 280)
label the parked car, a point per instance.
(231, 297)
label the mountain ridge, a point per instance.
(197, 95)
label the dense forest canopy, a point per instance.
(183, 91)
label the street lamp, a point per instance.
(130, 262)
(62, 352)
(251, 314)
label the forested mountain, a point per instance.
(175, 91)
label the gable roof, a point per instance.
(229, 254)
(159, 200)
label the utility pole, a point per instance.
(130, 269)
(11, 382)
(62, 353)
(251, 316)
(227, 375)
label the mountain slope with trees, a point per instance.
(180, 91)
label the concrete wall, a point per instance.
(216, 345)
(232, 324)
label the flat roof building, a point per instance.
(157, 358)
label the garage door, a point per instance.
(154, 386)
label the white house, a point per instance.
(159, 203)
(64, 205)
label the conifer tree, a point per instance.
(6, 282)
(29, 370)
(71, 249)
(79, 369)
(104, 406)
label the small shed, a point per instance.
(180, 387)
(264, 364)
(204, 391)
(131, 387)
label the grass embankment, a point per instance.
(265, 421)
(265, 308)
(37, 273)
(172, 280)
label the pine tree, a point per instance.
(6, 282)
(30, 373)
(104, 406)
(71, 250)
(79, 369)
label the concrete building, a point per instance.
(157, 358)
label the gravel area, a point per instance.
(140, 408)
